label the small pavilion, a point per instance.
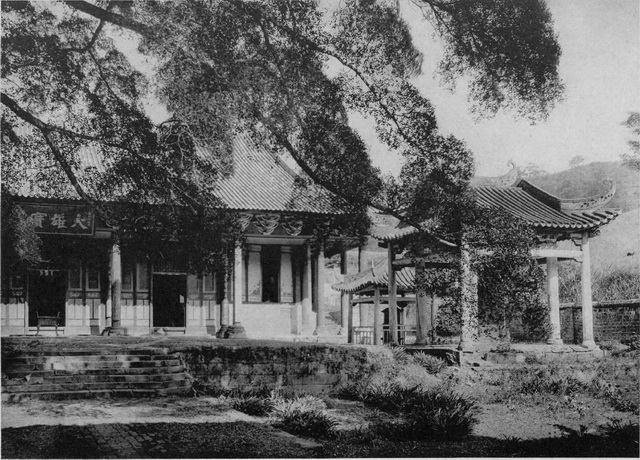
(554, 220)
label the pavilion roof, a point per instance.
(544, 211)
(377, 276)
(261, 182)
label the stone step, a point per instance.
(85, 394)
(60, 351)
(46, 378)
(18, 360)
(79, 365)
(17, 374)
(94, 386)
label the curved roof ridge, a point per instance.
(510, 179)
(591, 203)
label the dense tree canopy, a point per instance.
(288, 72)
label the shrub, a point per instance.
(313, 423)
(302, 415)
(253, 405)
(441, 415)
(432, 364)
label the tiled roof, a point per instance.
(260, 181)
(377, 276)
(263, 182)
(524, 200)
(385, 227)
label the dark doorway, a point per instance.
(270, 259)
(47, 294)
(169, 300)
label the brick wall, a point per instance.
(611, 321)
(312, 368)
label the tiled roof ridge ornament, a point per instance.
(591, 203)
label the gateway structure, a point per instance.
(274, 286)
(554, 219)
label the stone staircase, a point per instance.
(56, 373)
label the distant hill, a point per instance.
(587, 180)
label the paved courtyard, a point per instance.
(151, 428)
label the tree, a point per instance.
(632, 159)
(259, 67)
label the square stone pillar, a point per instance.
(423, 318)
(553, 296)
(587, 301)
(377, 318)
(115, 283)
(238, 275)
(393, 294)
(468, 302)
(344, 297)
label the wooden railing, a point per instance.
(363, 335)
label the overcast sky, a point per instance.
(600, 66)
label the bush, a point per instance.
(432, 364)
(253, 405)
(313, 423)
(302, 415)
(441, 415)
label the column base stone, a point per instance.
(555, 342)
(590, 345)
(110, 330)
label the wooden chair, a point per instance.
(48, 321)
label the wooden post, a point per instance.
(307, 289)
(377, 318)
(553, 296)
(393, 301)
(434, 315)
(587, 301)
(350, 321)
(344, 297)
(321, 321)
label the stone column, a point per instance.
(224, 304)
(393, 293)
(553, 296)
(254, 275)
(321, 321)
(377, 318)
(307, 289)
(422, 315)
(469, 301)
(344, 297)
(286, 275)
(587, 301)
(115, 282)
(237, 281)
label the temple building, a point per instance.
(554, 220)
(272, 288)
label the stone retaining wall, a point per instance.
(611, 320)
(312, 368)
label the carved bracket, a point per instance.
(266, 223)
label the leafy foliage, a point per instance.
(432, 364)
(284, 72)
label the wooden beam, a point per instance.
(560, 254)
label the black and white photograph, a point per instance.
(320, 229)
